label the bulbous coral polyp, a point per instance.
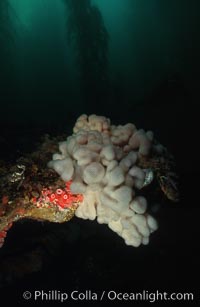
(101, 160)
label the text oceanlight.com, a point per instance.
(88, 295)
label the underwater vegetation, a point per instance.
(87, 33)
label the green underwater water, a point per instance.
(63, 58)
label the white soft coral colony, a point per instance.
(101, 160)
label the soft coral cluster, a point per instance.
(101, 160)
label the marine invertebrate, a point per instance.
(98, 173)
(104, 163)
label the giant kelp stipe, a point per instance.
(89, 36)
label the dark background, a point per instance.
(46, 83)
